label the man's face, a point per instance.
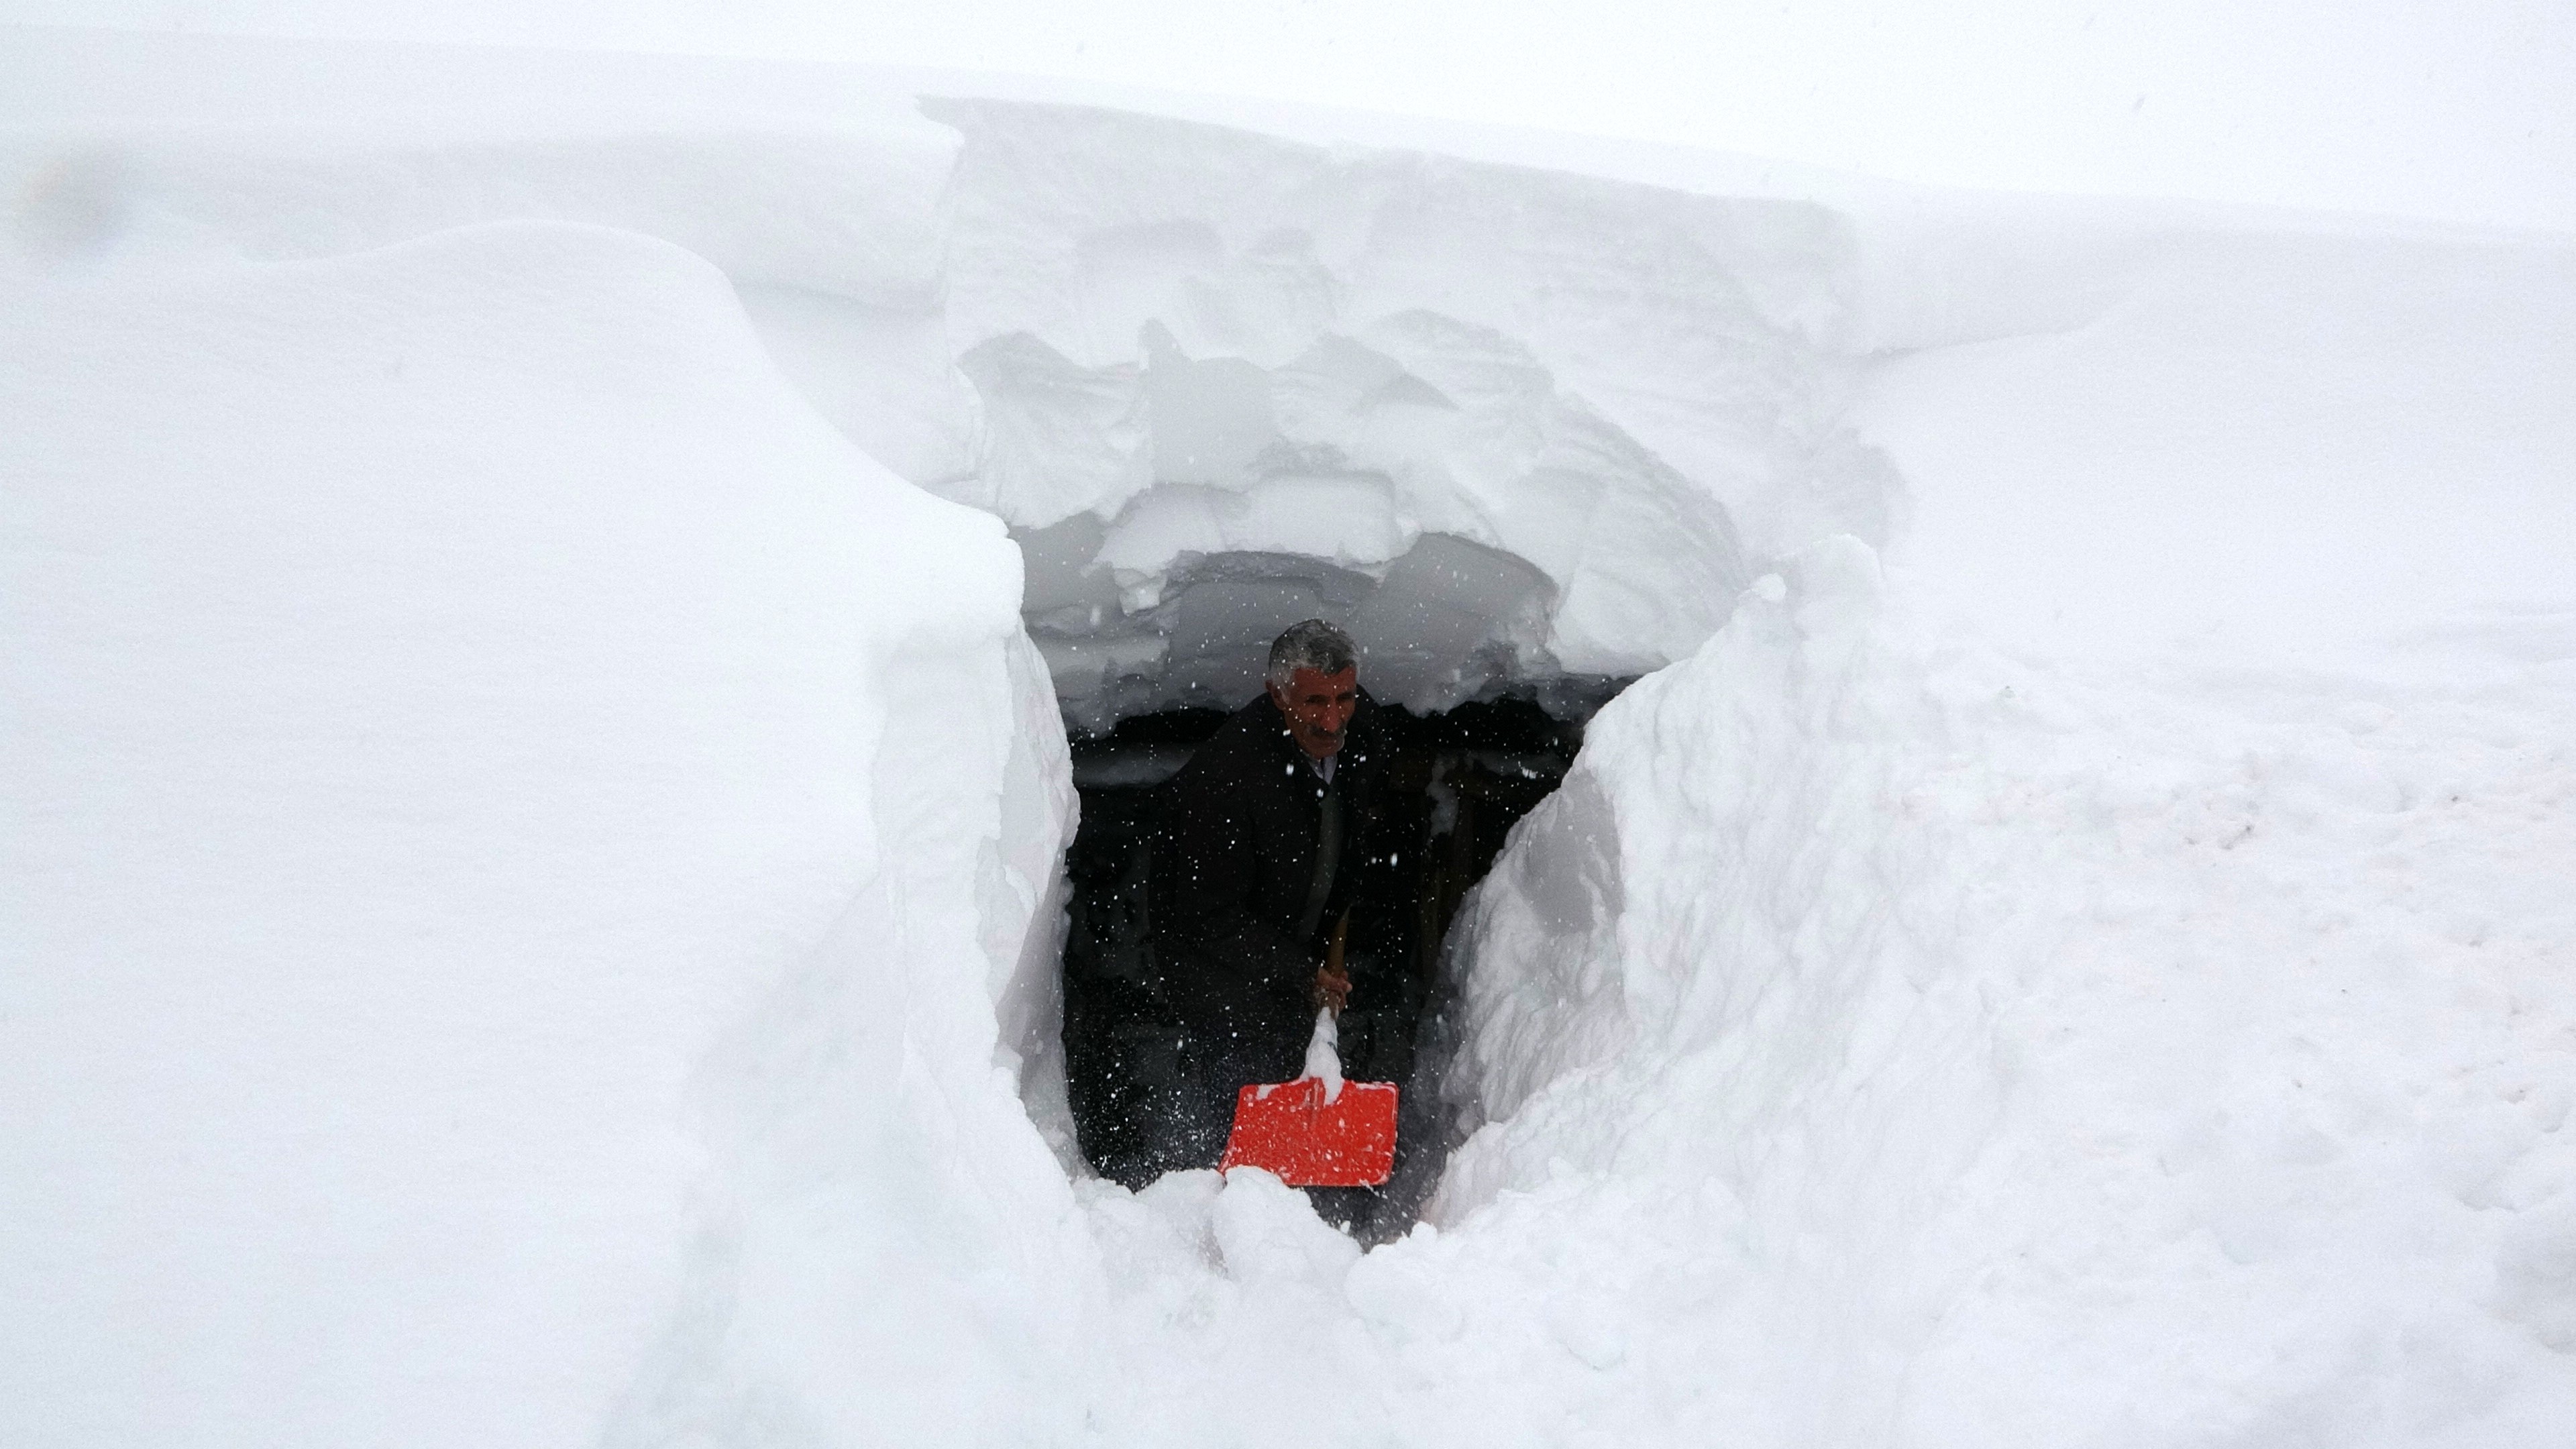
(1318, 706)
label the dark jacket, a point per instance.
(1234, 872)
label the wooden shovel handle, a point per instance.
(1333, 957)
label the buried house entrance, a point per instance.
(1459, 780)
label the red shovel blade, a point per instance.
(1289, 1130)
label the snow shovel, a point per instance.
(1317, 1131)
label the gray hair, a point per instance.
(1314, 645)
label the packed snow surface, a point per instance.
(535, 778)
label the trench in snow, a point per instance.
(1460, 780)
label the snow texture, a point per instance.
(1324, 1056)
(1505, 425)
(536, 776)
(1498, 422)
(487, 765)
(2027, 1058)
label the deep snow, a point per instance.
(452, 687)
(2141, 1060)
(531, 845)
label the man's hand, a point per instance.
(1332, 986)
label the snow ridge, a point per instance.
(532, 854)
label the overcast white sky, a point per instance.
(2463, 110)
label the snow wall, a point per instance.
(1993, 1056)
(536, 855)
(1501, 423)
(1513, 428)
(508, 807)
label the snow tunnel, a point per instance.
(1504, 559)
(1524, 436)
(1476, 739)
(1461, 778)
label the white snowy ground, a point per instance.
(529, 845)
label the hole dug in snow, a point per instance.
(1518, 434)
(1461, 780)
(1458, 780)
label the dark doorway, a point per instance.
(1460, 781)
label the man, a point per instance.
(1258, 856)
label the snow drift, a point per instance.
(460, 697)
(1513, 428)
(1501, 423)
(532, 849)
(1981, 1055)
